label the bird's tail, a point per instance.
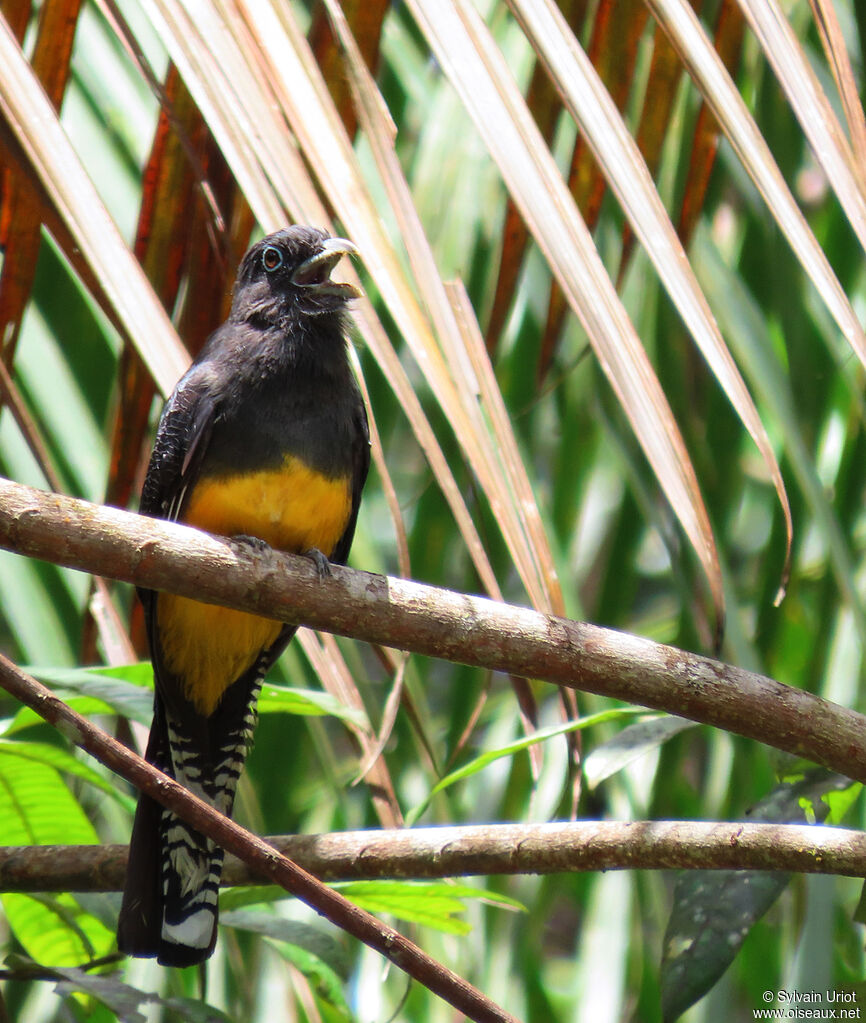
(191, 869)
(170, 901)
(169, 907)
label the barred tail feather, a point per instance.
(191, 870)
(170, 902)
(192, 864)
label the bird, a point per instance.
(265, 439)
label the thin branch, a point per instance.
(262, 858)
(439, 623)
(482, 850)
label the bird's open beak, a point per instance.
(315, 272)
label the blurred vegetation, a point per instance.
(584, 947)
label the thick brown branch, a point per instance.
(262, 858)
(439, 623)
(483, 849)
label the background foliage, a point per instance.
(548, 480)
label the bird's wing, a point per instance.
(361, 466)
(181, 440)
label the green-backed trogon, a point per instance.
(264, 438)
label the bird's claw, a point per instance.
(323, 566)
(256, 542)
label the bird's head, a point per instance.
(288, 273)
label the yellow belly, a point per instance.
(294, 509)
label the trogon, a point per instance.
(265, 439)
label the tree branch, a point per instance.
(264, 860)
(482, 849)
(438, 623)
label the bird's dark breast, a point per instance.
(315, 420)
(279, 468)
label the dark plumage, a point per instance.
(266, 437)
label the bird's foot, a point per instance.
(256, 542)
(323, 566)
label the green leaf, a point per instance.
(325, 984)
(55, 930)
(432, 903)
(28, 606)
(317, 941)
(629, 744)
(54, 756)
(140, 673)
(840, 802)
(128, 1003)
(714, 910)
(701, 942)
(128, 690)
(808, 808)
(306, 702)
(36, 806)
(485, 759)
(87, 706)
(311, 949)
(860, 912)
(249, 895)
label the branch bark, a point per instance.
(262, 858)
(439, 623)
(482, 849)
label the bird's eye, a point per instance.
(272, 258)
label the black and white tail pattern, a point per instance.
(191, 864)
(169, 905)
